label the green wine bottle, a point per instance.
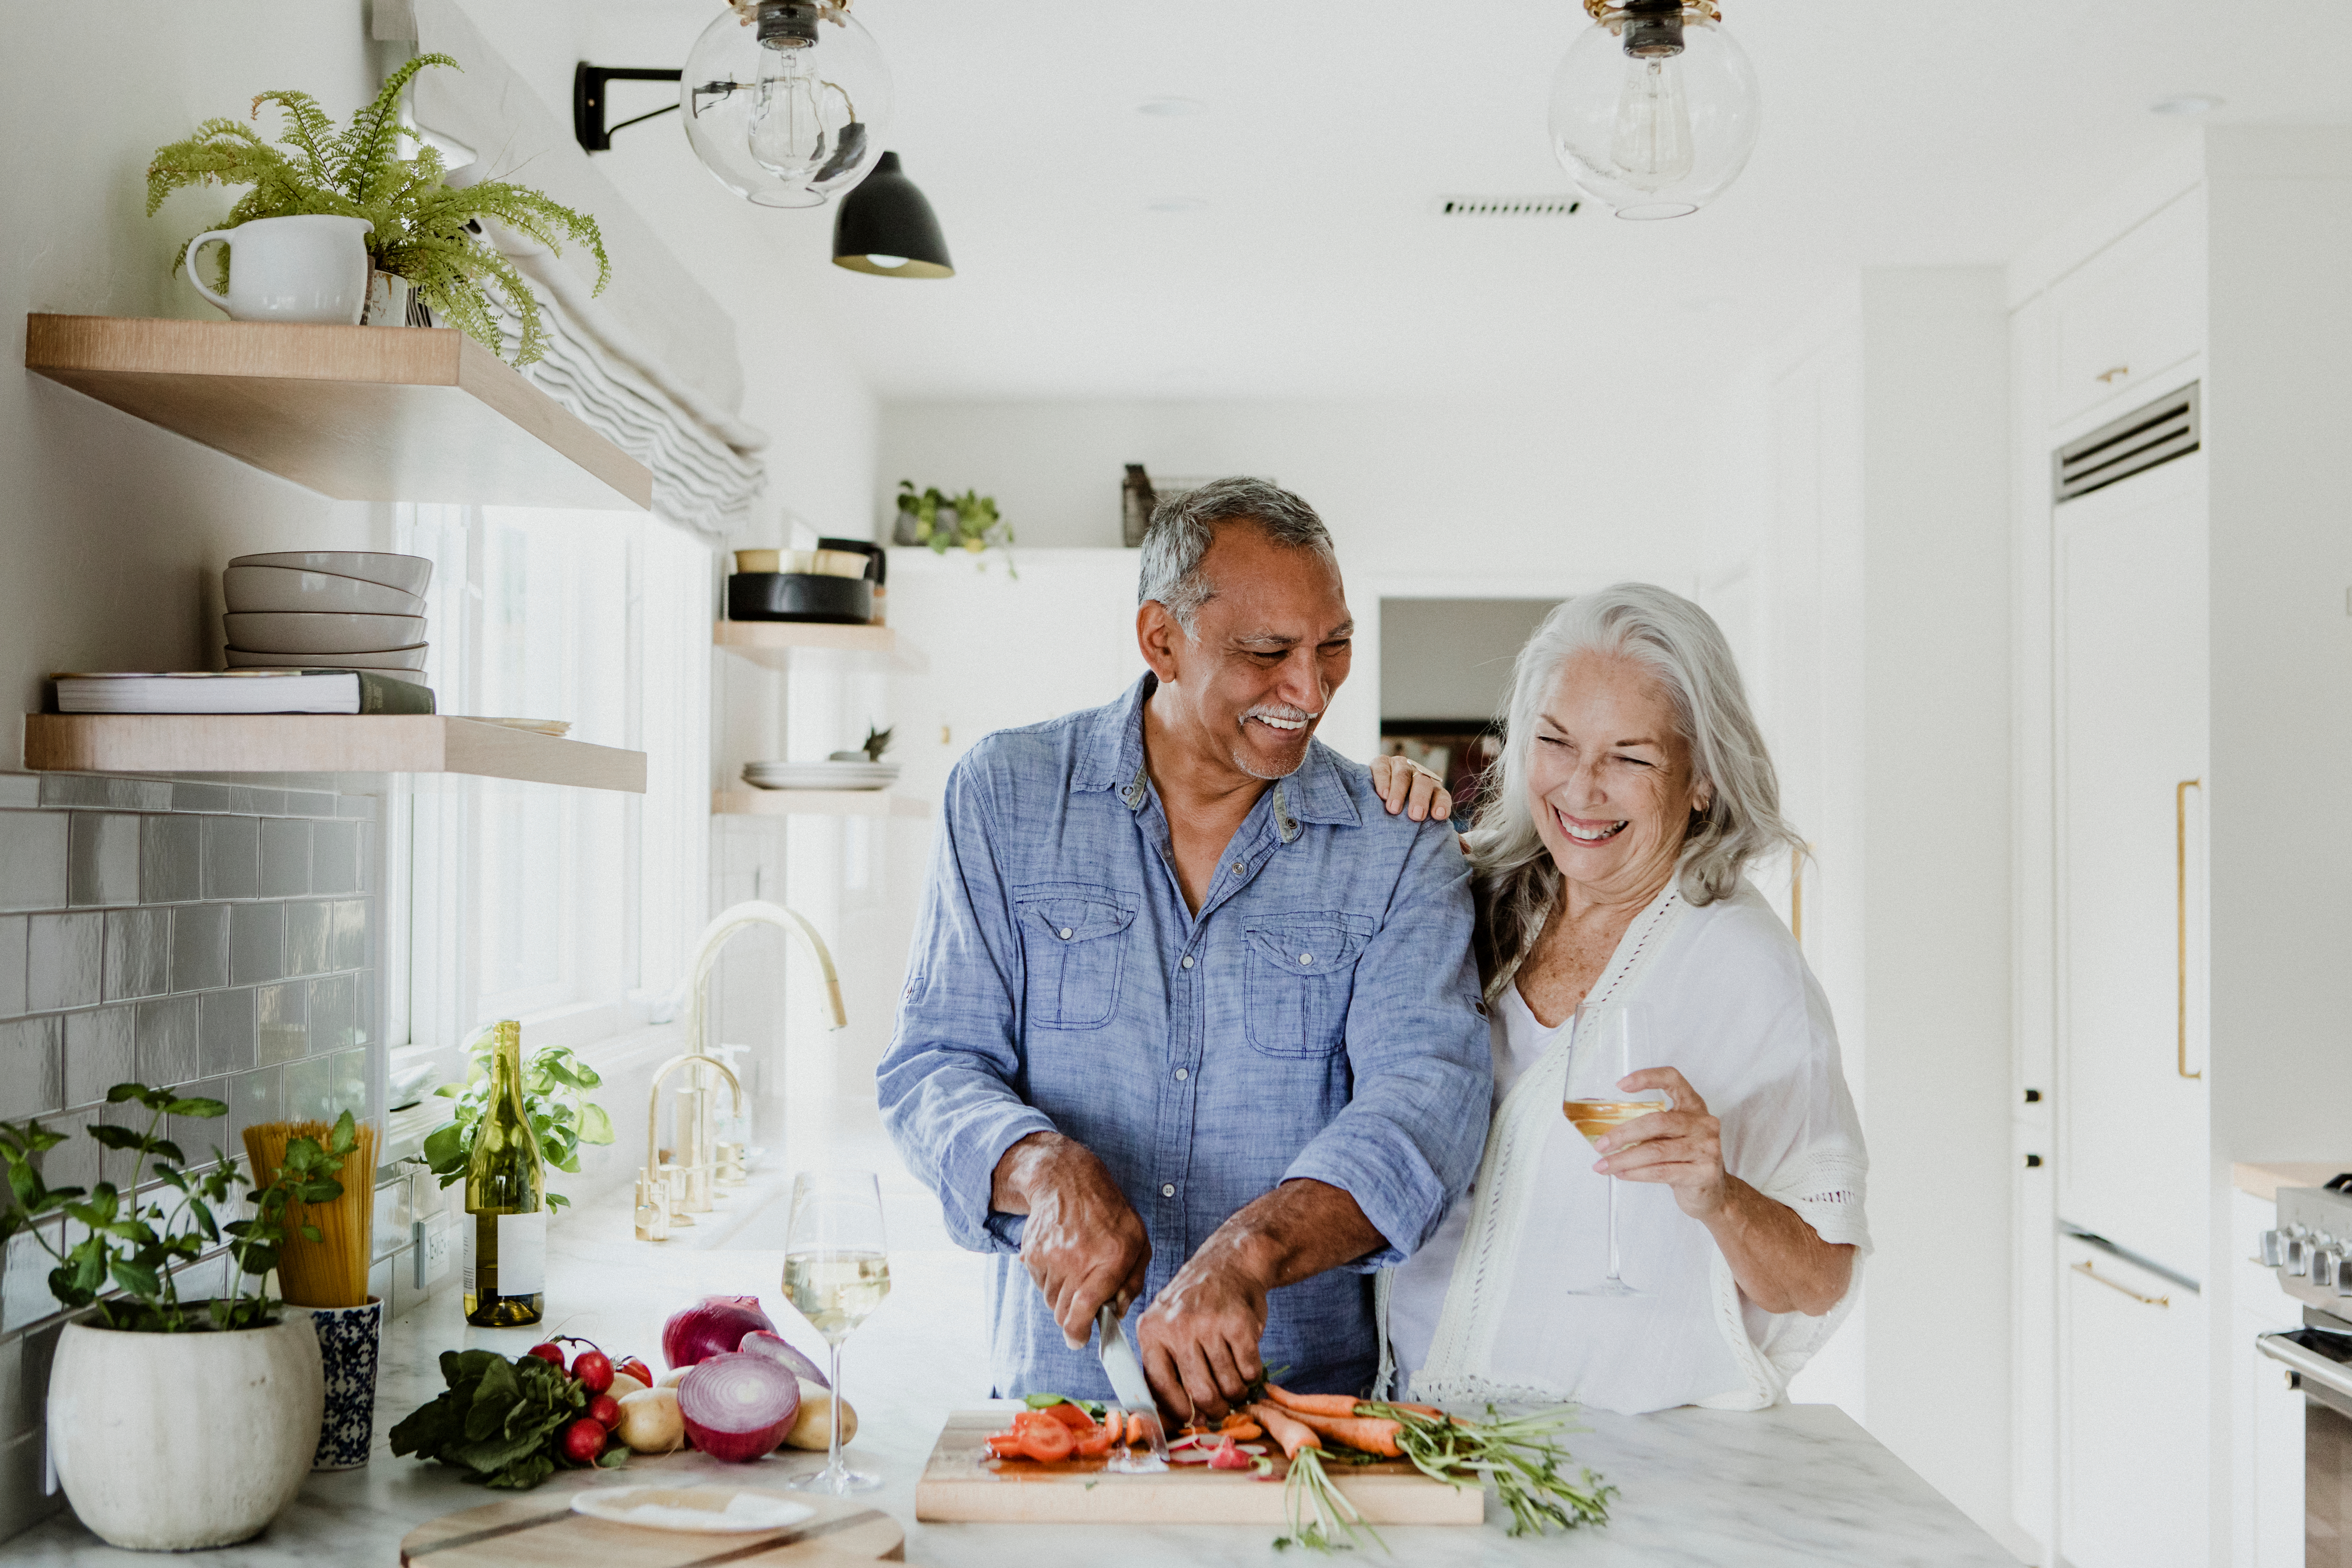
(505, 1202)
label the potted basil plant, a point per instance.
(173, 1423)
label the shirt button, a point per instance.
(1066, 936)
(1306, 958)
(1239, 867)
(1168, 1191)
(1188, 961)
(1183, 1073)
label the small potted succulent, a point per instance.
(422, 232)
(139, 1362)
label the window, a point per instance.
(531, 900)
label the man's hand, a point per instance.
(1199, 1338)
(1084, 1244)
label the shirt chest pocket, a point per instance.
(1300, 973)
(1075, 940)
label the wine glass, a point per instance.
(837, 1271)
(1609, 1042)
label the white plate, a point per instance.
(297, 631)
(412, 658)
(699, 1510)
(286, 588)
(409, 574)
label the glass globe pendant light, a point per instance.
(1653, 109)
(786, 102)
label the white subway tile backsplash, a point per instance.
(335, 1013)
(101, 1052)
(254, 1098)
(63, 959)
(232, 857)
(167, 1040)
(12, 932)
(33, 859)
(200, 947)
(171, 859)
(102, 858)
(138, 953)
(256, 943)
(309, 937)
(224, 1033)
(282, 1019)
(349, 945)
(285, 859)
(334, 858)
(32, 1068)
(322, 1088)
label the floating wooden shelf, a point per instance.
(176, 743)
(815, 803)
(356, 413)
(771, 642)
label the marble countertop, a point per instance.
(1801, 1485)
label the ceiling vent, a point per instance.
(1508, 206)
(2156, 432)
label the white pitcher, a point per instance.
(311, 269)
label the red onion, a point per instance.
(713, 1326)
(778, 1348)
(737, 1407)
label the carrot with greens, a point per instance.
(1312, 1404)
(1365, 1435)
(1280, 1427)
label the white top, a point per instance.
(1483, 1311)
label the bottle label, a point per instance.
(522, 1254)
(472, 1227)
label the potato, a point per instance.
(650, 1423)
(671, 1378)
(814, 1430)
(623, 1385)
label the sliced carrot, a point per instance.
(1138, 1432)
(1285, 1431)
(1314, 1404)
(1242, 1431)
(1361, 1433)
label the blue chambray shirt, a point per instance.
(1319, 1018)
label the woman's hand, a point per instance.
(1405, 785)
(1682, 1147)
(1780, 1262)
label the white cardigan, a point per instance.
(1729, 1001)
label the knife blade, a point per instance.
(1124, 1370)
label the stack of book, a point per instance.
(242, 691)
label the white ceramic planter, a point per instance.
(170, 1442)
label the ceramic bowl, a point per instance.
(393, 659)
(301, 632)
(285, 588)
(817, 563)
(409, 574)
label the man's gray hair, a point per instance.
(1183, 525)
(1680, 645)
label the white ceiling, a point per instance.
(1896, 133)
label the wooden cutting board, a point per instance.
(962, 1482)
(542, 1532)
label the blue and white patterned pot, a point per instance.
(347, 1338)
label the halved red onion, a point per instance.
(776, 1348)
(737, 1407)
(712, 1326)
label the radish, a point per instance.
(583, 1441)
(606, 1411)
(549, 1352)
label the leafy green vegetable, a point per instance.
(137, 1247)
(1517, 1453)
(425, 229)
(498, 1422)
(555, 1085)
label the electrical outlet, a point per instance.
(435, 1249)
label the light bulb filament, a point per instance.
(1651, 145)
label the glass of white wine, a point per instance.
(837, 1271)
(1609, 1042)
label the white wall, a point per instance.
(1889, 709)
(1451, 658)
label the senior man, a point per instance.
(1190, 1018)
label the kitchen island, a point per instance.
(1797, 1485)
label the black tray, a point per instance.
(799, 596)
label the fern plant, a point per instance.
(426, 230)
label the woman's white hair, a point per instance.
(1517, 884)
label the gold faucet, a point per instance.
(667, 1190)
(669, 1193)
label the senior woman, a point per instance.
(1633, 791)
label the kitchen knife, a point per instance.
(1120, 1364)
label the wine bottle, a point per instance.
(506, 1201)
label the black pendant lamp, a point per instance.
(884, 225)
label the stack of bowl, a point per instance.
(328, 609)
